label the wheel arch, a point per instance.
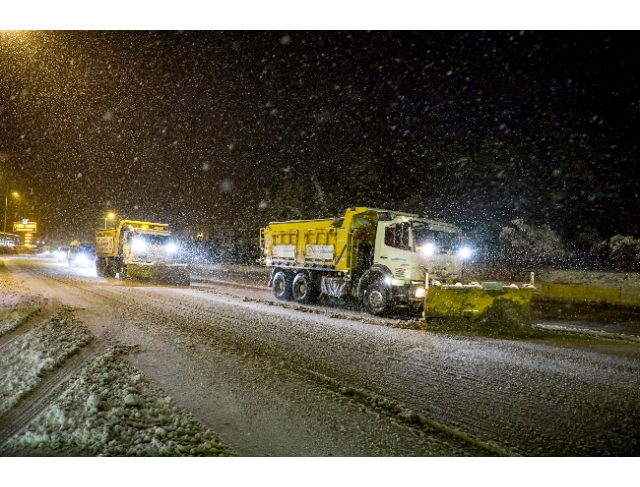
(377, 272)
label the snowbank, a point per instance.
(42, 349)
(110, 409)
(13, 318)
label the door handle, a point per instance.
(383, 256)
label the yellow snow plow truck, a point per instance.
(386, 259)
(141, 251)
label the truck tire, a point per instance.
(282, 286)
(303, 289)
(377, 299)
(101, 268)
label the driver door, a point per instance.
(393, 248)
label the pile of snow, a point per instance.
(14, 295)
(111, 409)
(42, 349)
(13, 318)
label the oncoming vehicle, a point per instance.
(81, 254)
(62, 254)
(143, 251)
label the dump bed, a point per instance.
(107, 241)
(324, 244)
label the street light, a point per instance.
(110, 216)
(14, 194)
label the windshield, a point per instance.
(153, 239)
(154, 247)
(433, 241)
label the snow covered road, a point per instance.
(281, 379)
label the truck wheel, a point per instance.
(101, 268)
(303, 289)
(377, 299)
(282, 286)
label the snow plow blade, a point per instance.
(476, 300)
(174, 274)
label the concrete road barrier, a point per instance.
(618, 296)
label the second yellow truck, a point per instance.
(142, 251)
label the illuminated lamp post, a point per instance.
(14, 194)
(110, 216)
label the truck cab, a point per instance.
(405, 247)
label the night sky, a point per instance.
(201, 128)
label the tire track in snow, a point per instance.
(33, 319)
(34, 403)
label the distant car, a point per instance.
(82, 256)
(46, 252)
(62, 254)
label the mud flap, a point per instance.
(478, 300)
(174, 274)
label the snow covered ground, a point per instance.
(111, 409)
(10, 319)
(282, 379)
(106, 407)
(39, 351)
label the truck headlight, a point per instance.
(465, 252)
(428, 249)
(139, 245)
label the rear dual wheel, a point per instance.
(303, 289)
(282, 286)
(101, 267)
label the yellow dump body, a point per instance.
(108, 241)
(326, 243)
(475, 300)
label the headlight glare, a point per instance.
(139, 245)
(428, 249)
(465, 252)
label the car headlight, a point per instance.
(419, 292)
